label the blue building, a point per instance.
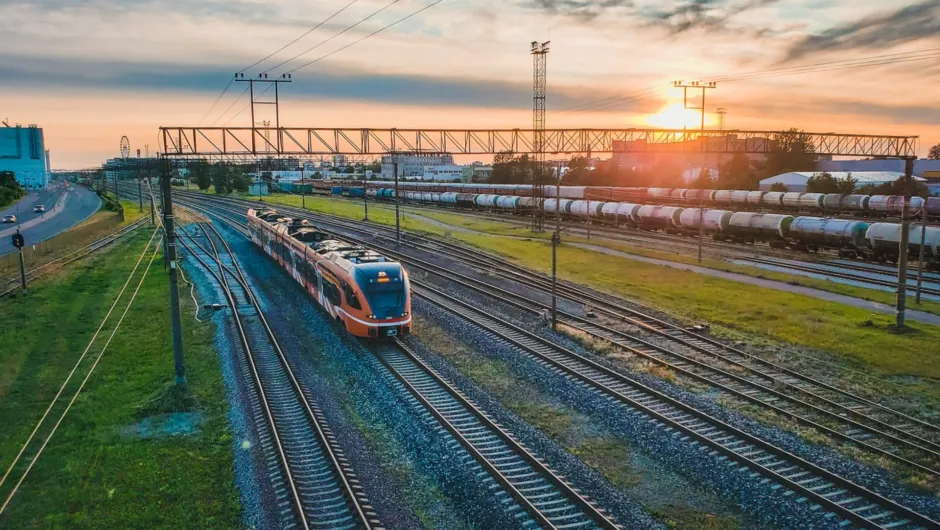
(22, 151)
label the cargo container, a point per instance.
(658, 217)
(752, 227)
(713, 220)
(817, 232)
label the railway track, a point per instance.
(840, 415)
(313, 481)
(837, 495)
(545, 497)
(11, 285)
(851, 275)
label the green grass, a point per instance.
(599, 449)
(860, 336)
(97, 472)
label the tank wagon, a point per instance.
(748, 227)
(885, 240)
(814, 233)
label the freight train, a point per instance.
(368, 293)
(854, 204)
(850, 238)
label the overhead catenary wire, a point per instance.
(376, 32)
(216, 102)
(230, 107)
(91, 370)
(321, 43)
(308, 32)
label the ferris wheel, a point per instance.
(125, 147)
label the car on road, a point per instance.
(39, 208)
(9, 219)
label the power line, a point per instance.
(224, 90)
(230, 106)
(601, 101)
(308, 32)
(237, 114)
(376, 32)
(828, 63)
(831, 68)
(321, 43)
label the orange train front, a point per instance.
(366, 291)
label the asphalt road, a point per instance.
(65, 208)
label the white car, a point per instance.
(39, 209)
(9, 219)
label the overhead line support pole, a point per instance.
(903, 246)
(923, 242)
(397, 204)
(170, 236)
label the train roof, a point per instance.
(335, 250)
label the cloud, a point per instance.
(879, 31)
(709, 15)
(583, 9)
(336, 83)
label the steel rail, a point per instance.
(685, 337)
(462, 418)
(831, 491)
(361, 514)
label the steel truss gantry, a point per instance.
(297, 141)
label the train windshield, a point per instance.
(384, 288)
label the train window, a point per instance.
(351, 298)
(331, 292)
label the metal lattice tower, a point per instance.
(539, 90)
(721, 118)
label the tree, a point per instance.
(825, 183)
(199, 172)
(934, 153)
(579, 172)
(897, 187)
(238, 180)
(792, 150)
(779, 186)
(221, 178)
(509, 169)
(703, 181)
(737, 174)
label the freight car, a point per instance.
(368, 293)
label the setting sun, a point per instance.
(673, 116)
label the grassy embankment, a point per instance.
(113, 462)
(92, 229)
(858, 335)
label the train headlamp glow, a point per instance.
(383, 277)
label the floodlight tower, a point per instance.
(539, 90)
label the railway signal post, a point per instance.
(19, 242)
(170, 236)
(397, 204)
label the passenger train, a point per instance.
(368, 293)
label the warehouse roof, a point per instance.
(863, 177)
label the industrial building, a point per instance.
(922, 168)
(22, 151)
(796, 180)
(412, 165)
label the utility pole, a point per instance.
(397, 204)
(365, 198)
(923, 241)
(263, 78)
(170, 236)
(698, 85)
(539, 91)
(19, 242)
(905, 240)
(556, 240)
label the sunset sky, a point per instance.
(90, 71)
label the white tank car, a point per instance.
(885, 239)
(563, 206)
(658, 217)
(527, 203)
(701, 195)
(449, 198)
(772, 198)
(723, 196)
(739, 196)
(812, 200)
(659, 193)
(485, 200)
(754, 197)
(609, 211)
(760, 226)
(435, 197)
(678, 194)
(829, 233)
(832, 201)
(507, 202)
(714, 221)
(586, 208)
(893, 204)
